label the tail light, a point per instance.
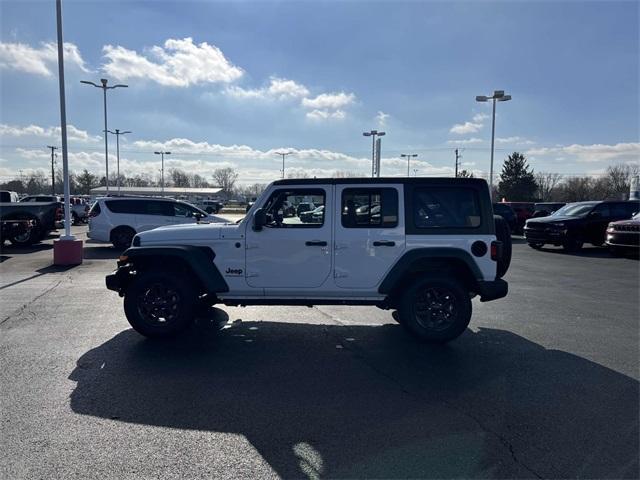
(496, 250)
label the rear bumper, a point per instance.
(492, 290)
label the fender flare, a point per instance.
(198, 258)
(407, 264)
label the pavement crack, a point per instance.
(25, 308)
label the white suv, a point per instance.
(424, 247)
(118, 219)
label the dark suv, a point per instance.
(506, 212)
(578, 223)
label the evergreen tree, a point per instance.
(517, 182)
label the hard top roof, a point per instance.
(380, 180)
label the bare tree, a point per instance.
(179, 178)
(346, 174)
(465, 174)
(225, 178)
(619, 179)
(547, 182)
(577, 189)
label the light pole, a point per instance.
(498, 95)
(284, 154)
(162, 153)
(117, 133)
(373, 134)
(104, 88)
(408, 157)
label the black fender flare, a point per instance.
(411, 260)
(198, 258)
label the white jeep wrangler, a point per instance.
(424, 247)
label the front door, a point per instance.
(369, 236)
(293, 250)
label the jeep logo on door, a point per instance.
(233, 271)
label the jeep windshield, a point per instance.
(575, 210)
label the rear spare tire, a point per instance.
(503, 234)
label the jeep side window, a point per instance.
(295, 208)
(369, 208)
(435, 207)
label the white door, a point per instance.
(369, 233)
(291, 252)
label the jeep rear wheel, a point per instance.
(435, 309)
(160, 304)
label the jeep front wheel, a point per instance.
(160, 304)
(435, 309)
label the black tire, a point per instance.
(435, 309)
(33, 235)
(536, 246)
(503, 234)
(572, 245)
(121, 237)
(160, 304)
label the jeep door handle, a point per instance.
(384, 243)
(315, 243)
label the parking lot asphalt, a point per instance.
(543, 384)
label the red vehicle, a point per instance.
(524, 211)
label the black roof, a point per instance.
(369, 181)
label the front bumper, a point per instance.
(119, 279)
(623, 239)
(546, 235)
(492, 290)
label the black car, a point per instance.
(544, 209)
(578, 223)
(506, 212)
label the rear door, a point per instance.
(153, 214)
(369, 233)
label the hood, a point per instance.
(191, 232)
(627, 222)
(554, 219)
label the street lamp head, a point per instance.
(366, 134)
(498, 94)
(381, 134)
(481, 98)
(167, 153)
(104, 81)
(505, 98)
(157, 153)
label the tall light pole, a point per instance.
(498, 95)
(117, 133)
(408, 156)
(373, 134)
(284, 154)
(162, 153)
(104, 88)
(53, 175)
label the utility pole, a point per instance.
(457, 163)
(163, 153)
(53, 175)
(117, 133)
(283, 154)
(408, 156)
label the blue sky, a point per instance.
(228, 84)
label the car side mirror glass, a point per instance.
(259, 219)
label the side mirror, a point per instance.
(259, 219)
(595, 215)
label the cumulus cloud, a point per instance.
(466, 127)
(319, 115)
(278, 88)
(73, 133)
(381, 119)
(329, 101)
(515, 140)
(178, 63)
(40, 60)
(465, 141)
(592, 153)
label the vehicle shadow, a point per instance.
(586, 251)
(368, 401)
(101, 252)
(20, 250)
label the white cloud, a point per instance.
(38, 60)
(73, 133)
(329, 101)
(318, 115)
(480, 117)
(466, 127)
(592, 153)
(381, 118)
(179, 63)
(465, 141)
(279, 88)
(515, 140)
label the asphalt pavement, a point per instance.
(544, 383)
